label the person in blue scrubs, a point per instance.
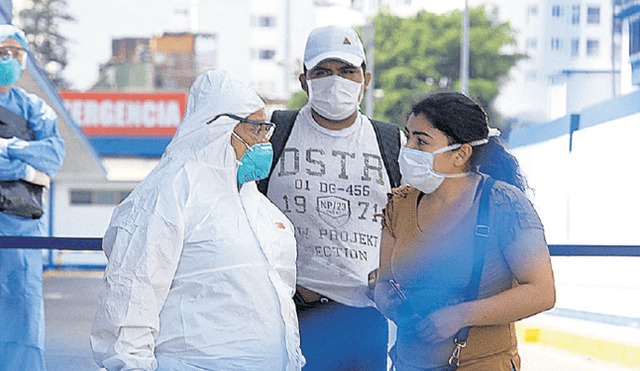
(21, 300)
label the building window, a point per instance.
(555, 43)
(593, 48)
(593, 15)
(575, 47)
(266, 54)
(94, 197)
(556, 11)
(267, 22)
(617, 26)
(80, 197)
(634, 37)
(532, 43)
(263, 21)
(575, 14)
(532, 11)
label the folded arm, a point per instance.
(34, 161)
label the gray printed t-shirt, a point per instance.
(333, 185)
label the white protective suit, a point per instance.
(200, 274)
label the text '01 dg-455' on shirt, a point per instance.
(332, 184)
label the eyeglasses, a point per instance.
(263, 130)
(18, 53)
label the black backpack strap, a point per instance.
(284, 124)
(13, 125)
(388, 136)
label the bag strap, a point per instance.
(14, 125)
(284, 124)
(388, 136)
(480, 243)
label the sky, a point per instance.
(98, 22)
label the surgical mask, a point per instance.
(334, 97)
(416, 166)
(255, 164)
(10, 70)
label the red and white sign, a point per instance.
(126, 114)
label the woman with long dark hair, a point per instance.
(463, 252)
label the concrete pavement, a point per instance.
(547, 342)
(70, 304)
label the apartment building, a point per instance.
(574, 56)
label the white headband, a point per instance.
(493, 132)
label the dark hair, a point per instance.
(462, 120)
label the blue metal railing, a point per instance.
(86, 244)
(593, 250)
(95, 244)
(52, 243)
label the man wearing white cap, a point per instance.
(332, 169)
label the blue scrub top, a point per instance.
(46, 154)
(21, 302)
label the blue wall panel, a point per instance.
(540, 133)
(612, 109)
(130, 146)
(601, 113)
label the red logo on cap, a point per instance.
(346, 41)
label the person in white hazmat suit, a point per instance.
(201, 269)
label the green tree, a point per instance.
(40, 20)
(297, 100)
(421, 54)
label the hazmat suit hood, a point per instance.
(214, 92)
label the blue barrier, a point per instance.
(594, 250)
(95, 244)
(52, 243)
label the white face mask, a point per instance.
(334, 97)
(416, 168)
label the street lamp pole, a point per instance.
(464, 55)
(287, 47)
(370, 65)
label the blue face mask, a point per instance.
(255, 164)
(10, 70)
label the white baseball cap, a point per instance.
(333, 42)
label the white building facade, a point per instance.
(574, 57)
(258, 41)
(262, 41)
